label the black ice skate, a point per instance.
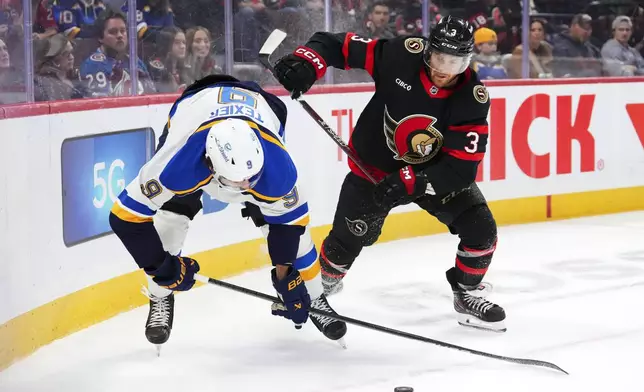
(159, 323)
(474, 310)
(331, 328)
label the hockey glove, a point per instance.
(295, 297)
(299, 70)
(175, 273)
(401, 187)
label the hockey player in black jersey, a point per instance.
(422, 136)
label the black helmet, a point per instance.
(452, 36)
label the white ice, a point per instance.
(573, 291)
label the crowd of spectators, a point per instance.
(81, 46)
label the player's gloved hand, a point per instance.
(402, 187)
(296, 300)
(299, 70)
(175, 273)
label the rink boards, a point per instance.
(556, 150)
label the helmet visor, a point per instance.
(448, 63)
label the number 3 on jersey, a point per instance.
(361, 39)
(474, 142)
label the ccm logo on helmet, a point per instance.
(310, 55)
(403, 84)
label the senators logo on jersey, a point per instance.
(414, 138)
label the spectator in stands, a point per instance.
(539, 57)
(487, 60)
(76, 18)
(45, 25)
(167, 67)
(107, 71)
(377, 23)
(54, 79)
(10, 21)
(11, 30)
(620, 59)
(199, 61)
(409, 19)
(251, 27)
(637, 38)
(502, 16)
(574, 55)
(152, 16)
(12, 87)
(603, 16)
(350, 7)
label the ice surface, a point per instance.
(572, 290)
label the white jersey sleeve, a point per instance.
(178, 167)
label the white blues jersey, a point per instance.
(180, 167)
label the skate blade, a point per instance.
(158, 347)
(467, 320)
(342, 343)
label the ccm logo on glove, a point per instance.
(310, 55)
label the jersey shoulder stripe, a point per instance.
(134, 206)
(298, 216)
(280, 174)
(187, 171)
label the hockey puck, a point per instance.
(403, 389)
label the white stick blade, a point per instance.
(272, 42)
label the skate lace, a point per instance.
(477, 304)
(160, 309)
(321, 304)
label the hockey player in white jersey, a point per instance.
(223, 137)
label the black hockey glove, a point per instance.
(299, 70)
(175, 273)
(401, 187)
(296, 300)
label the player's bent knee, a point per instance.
(308, 265)
(360, 232)
(337, 251)
(476, 226)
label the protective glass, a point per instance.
(448, 64)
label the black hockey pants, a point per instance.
(358, 223)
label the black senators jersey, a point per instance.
(410, 121)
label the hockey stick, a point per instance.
(272, 42)
(380, 328)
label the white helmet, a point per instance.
(235, 153)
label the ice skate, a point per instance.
(159, 323)
(473, 310)
(331, 328)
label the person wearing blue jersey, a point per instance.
(107, 72)
(487, 61)
(223, 137)
(76, 18)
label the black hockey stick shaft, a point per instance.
(380, 328)
(272, 42)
